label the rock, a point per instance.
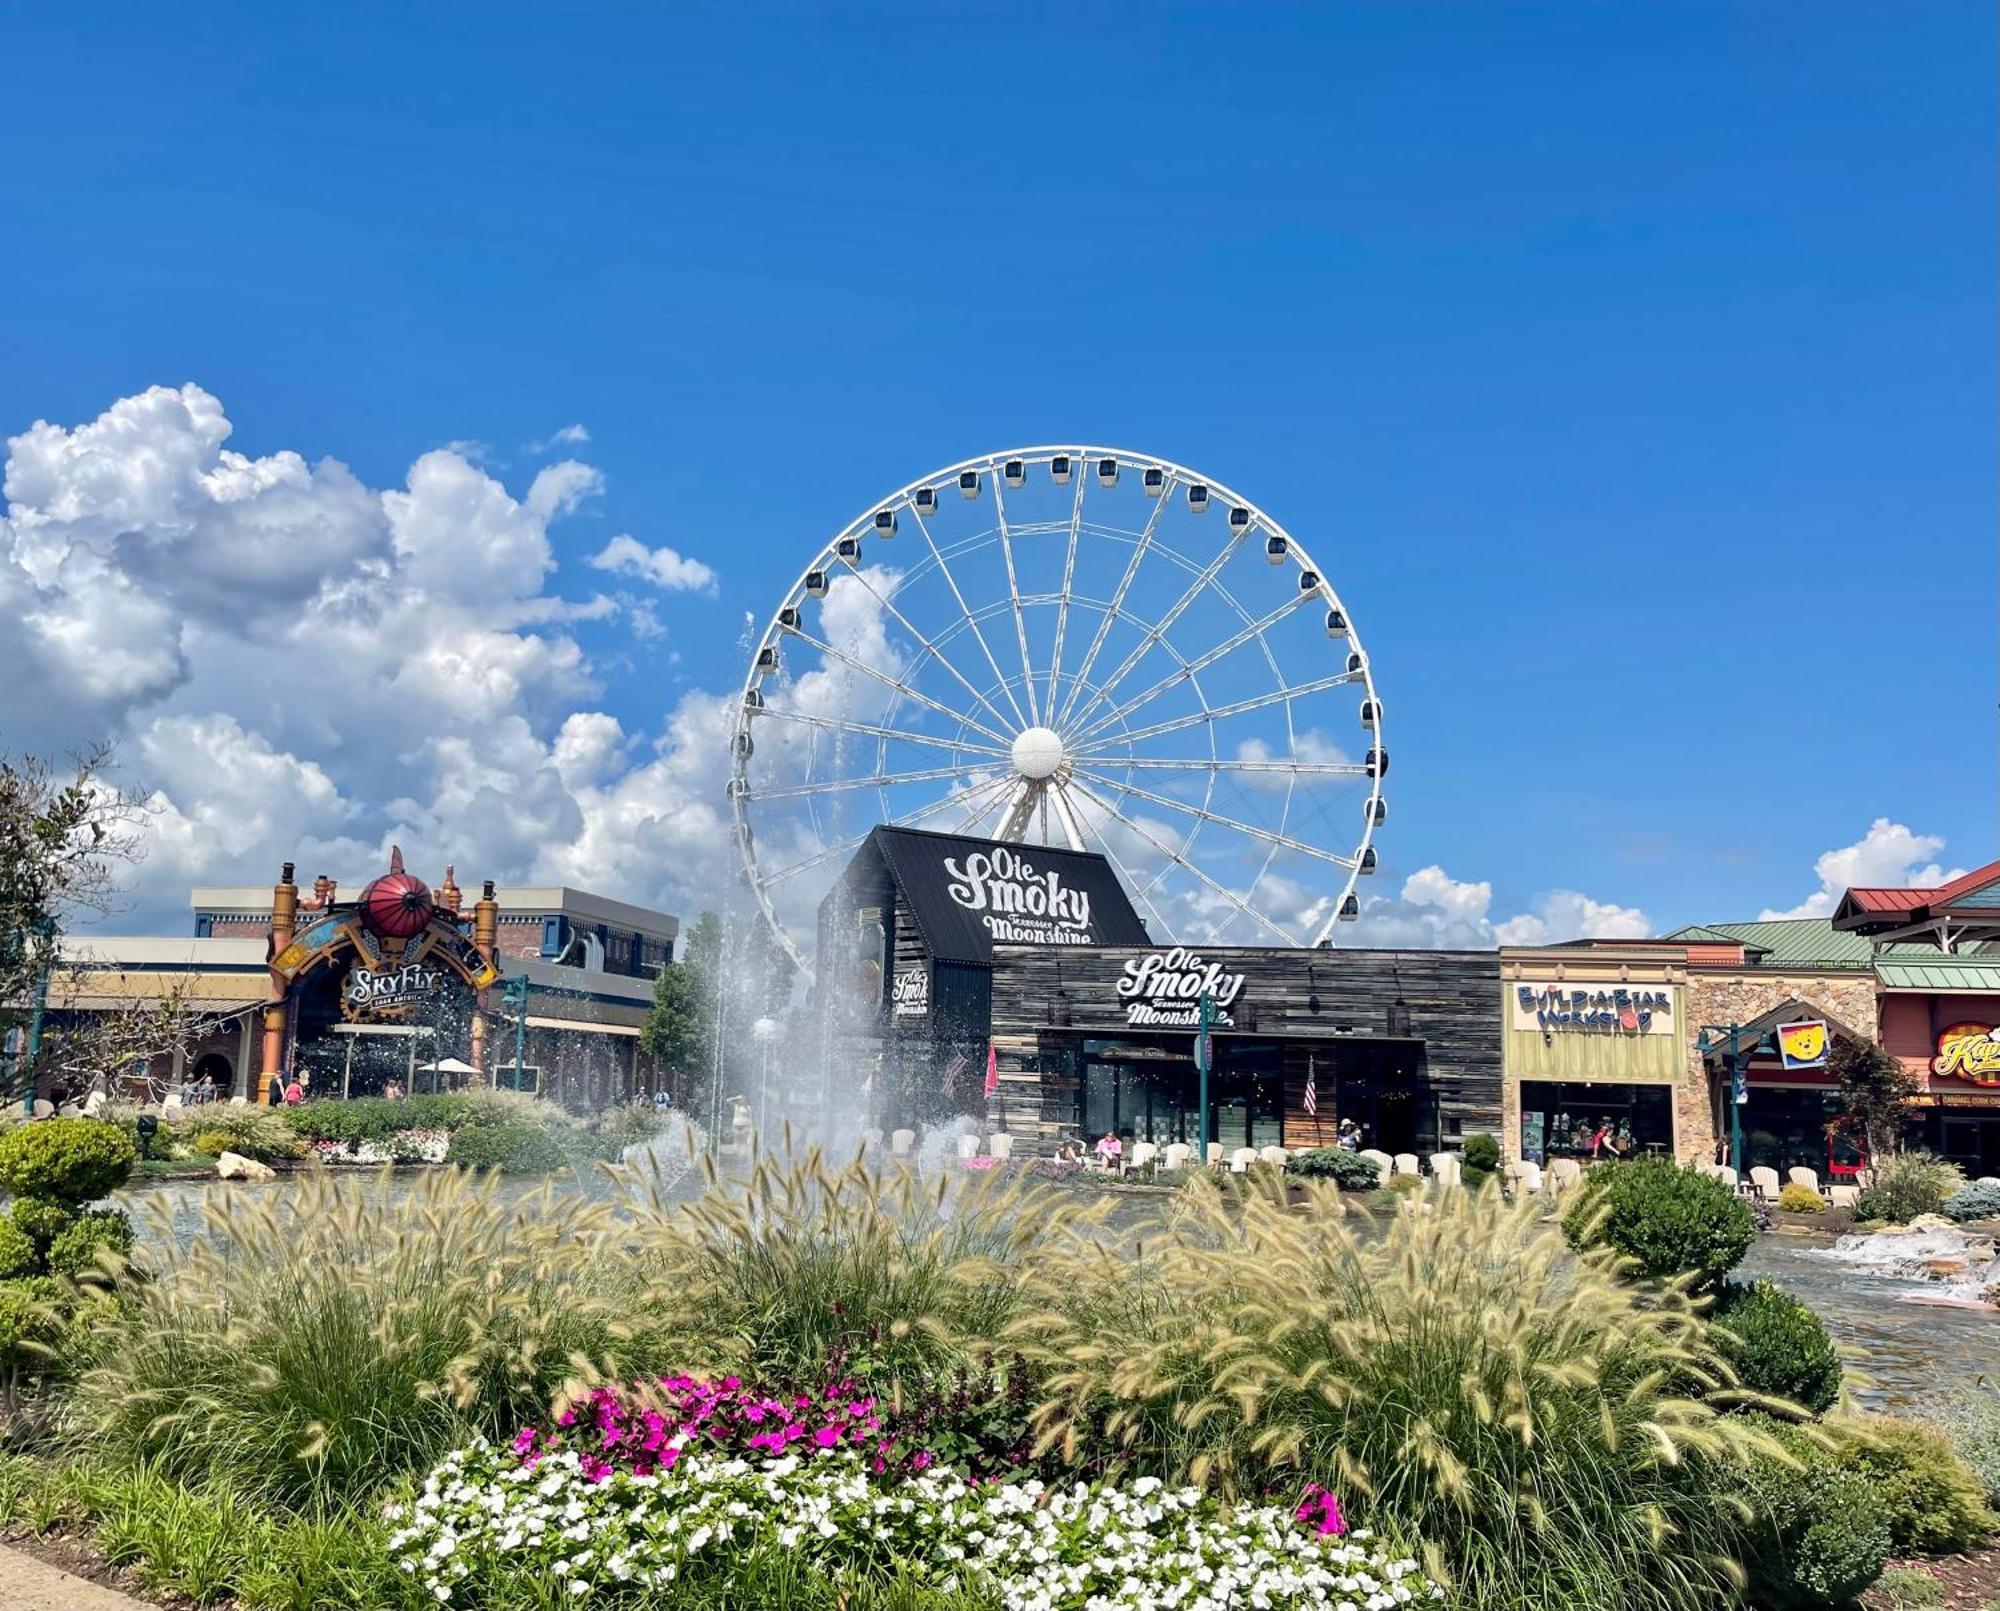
(234, 1166)
(1932, 1222)
(1945, 1267)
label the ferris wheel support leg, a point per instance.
(1019, 811)
(1071, 830)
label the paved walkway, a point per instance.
(27, 1584)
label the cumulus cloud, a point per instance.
(1435, 909)
(1888, 855)
(564, 436)
(625, 555)
(300, 666)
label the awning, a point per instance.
(1944, 976)
(580, 1025)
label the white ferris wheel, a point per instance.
(1074, 646)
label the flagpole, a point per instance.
(1202, 1059)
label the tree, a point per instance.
(1875, 1092)
(60, 831)
(721, 980)
(680, 1033)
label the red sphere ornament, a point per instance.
(398, 904)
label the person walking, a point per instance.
(295, 1093)
(1348, 1136)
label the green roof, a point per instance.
(1960, 975)
(1790, 942)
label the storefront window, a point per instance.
(1589, 1121)
(1149, 1090)
(1783, 1128)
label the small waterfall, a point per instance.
(1944, 1260)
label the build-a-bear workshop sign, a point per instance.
(396, 949)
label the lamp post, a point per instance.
(515, 993)
(1739, 1078)
(31, 1043)
(1204, 1054)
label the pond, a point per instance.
(1906, 1349)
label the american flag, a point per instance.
(1312, 1091)
(952, 1070)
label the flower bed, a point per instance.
(487, 1517)
(401, 1146)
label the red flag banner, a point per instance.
(992, 1069)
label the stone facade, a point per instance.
(1737, 995)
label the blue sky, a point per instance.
(1630, 368)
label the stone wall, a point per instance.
(1738, 995)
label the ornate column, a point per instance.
(284, 922)
(486, 938)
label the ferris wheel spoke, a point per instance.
(1068, 585)
(934, 648)
(1203, 814)
(1143, 892)
(1216, 763)
(1181, 860)
(1257, 702)
(843, 725)
(965, 609)
(1014, 593)
(902, 689)
(1080, 680)
(880, 780)
(979, 799)
(1252, 631)
(1160, 629)
(946, 801)
(816, 860)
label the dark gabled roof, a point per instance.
(958, 889)
(1792, 1010)
(1867, 909)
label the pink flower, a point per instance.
(827, 1436)
(1321, 1511)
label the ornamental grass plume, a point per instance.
(803, 1269)
(312, 1345)
(1463, 1374)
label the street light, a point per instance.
(1739, 1077)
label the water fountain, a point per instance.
(1947, 1263)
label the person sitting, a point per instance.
(1109, 1150)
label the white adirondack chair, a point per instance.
(1765, 1179)
(1273, 1155)
(968, 1147)
(1406, 1164)
(1142, 1153)
(902, 1143)
(1218, 1155)
(1843, 1196)
(1001, 1145)
(1241, 1159)
(1176, 1155)
(1564, 1173)
(1727, 1176)
(1384, 1164)
(1803, 1177)
(1444, 1165)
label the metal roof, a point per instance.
(1791, 942)
(1940, 973)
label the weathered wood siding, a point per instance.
(1455, 1028)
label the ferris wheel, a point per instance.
(1075, 646)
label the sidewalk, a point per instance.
(27, 1584)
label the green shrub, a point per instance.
(42, 1219)
(1968, 1414)
(1934, 1502)
(1909, 1184)
(1778, 1346)
(1347, 1170)
(1459, 1372)
(1801, 1199)
(1405, 1183)
(1973, 1201)
(18, 1254)
(23, 1315)
(71, 1160)
(213, 1142)
(1482, 1158)
(512, 1148)
(74, 1251)
(1668, 1220)
(1820, 1536)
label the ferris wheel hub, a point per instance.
(1038, 753)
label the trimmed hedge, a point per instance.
(1667, 1219)
(512, 1148)
(74, 1250)
(71, 1160)
(1778, 1346)
(1934, 1501)
(1820, 1536)
(1347, 1170)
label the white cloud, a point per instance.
(626, 556)
(299, 666)
(1435, 909)
(566, 436)
(1888, 855)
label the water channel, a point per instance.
(1902, 1349)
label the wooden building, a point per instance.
(937, 951)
